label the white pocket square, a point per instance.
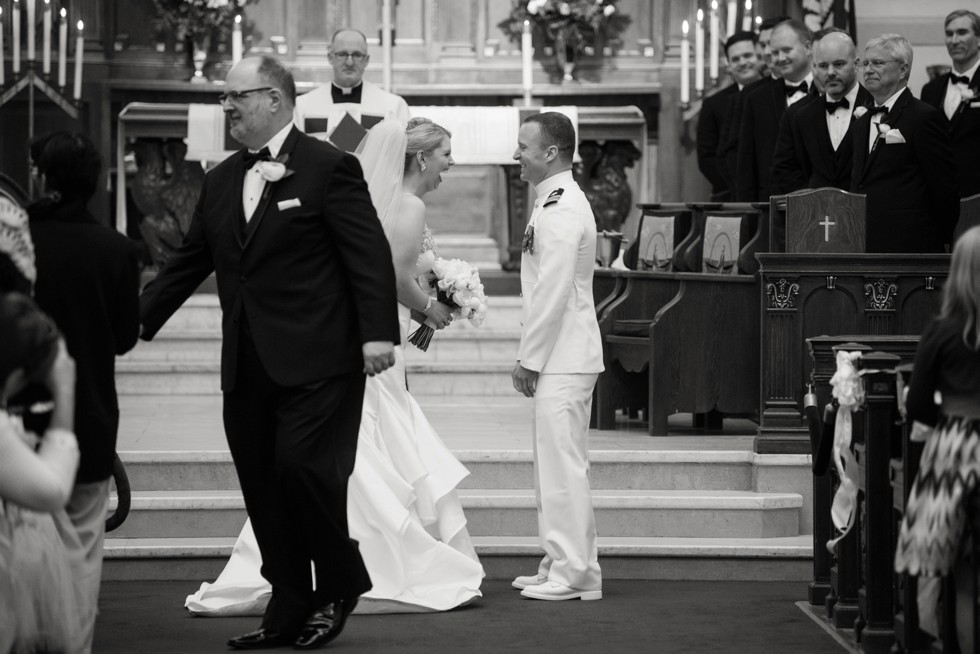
(288, 204)
(894, 136)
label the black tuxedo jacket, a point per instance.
(805, 156)
(314, 281)
(88, 282)
(912, 194)
(728, 152)
(963, 128)
(715, 110)
(762, 110)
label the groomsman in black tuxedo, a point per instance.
(957, 95)
(815, 146)
(744, 65)
(902, 158)
(764, 106)
(728, 146)
(307, 293)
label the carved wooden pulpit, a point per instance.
(825, 220)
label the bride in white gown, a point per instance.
(402, 505)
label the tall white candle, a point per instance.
(79, 55)
(527, 52)
(730, 16)
(15, 64)
(747, 17)
(699, 53)
(31, 29)
(685, 65)
(62, 48)
(236, 40)
(46, 52)
(758, 23)
(1, 48)
(714, 36)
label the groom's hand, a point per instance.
(378, 356)
(525, 381)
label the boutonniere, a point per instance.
(273, 171)
(859, 111)
(883, 129)
(967, 94)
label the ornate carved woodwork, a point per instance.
(603, 178)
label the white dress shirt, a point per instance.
(839, 121)
(254, 183)
(954, 92)
(876, 119)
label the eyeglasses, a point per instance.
(236, 96)
(876, 64)
(356, 57)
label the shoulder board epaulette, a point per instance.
(554, 197)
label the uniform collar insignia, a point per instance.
(554, 197)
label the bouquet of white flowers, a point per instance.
(458, 285)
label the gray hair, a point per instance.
(896, 45)
(960, 13)
(278, 76)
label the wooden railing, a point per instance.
(856, 584)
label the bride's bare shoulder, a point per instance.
(412, 202)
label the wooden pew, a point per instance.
(969, 215)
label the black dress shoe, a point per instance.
(325, 624)
(261, 638)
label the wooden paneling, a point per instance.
(455, 27)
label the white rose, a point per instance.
(967, 94)
(860, 111)
(272, 171)
(564, 9)
(883, 128)
(609, 10)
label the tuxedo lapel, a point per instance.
(893, 119)
(269, 190)
(238, 213)
(961, 107)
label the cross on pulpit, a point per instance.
(827, 224)
(808, 211)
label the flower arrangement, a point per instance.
(574, 24)
(196, 19)
(458, 285)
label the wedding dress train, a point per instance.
(402, 509)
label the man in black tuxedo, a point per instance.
(764, 106)
(815, 146)
(744, 65)
(307, 291)
(902, 158)
(957, 95)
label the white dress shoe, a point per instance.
(528, 580)
(551, 590)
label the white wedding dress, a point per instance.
(402, 508)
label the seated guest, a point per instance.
(764, 106)
(38, 607)
(903, 160)
(744, 65)
(815, 148)
(88, 282)
(957, 95)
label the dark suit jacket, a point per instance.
(728, 149)
(762, 110)
(88, 282)
(314, 281)
(805, 156)
(964, 130)
(911, 187)
(715, 110)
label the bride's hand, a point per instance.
(439, 315)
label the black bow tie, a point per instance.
(839, 104)
(801, 88)
(252, 158)
(878, 110)
(959, 79)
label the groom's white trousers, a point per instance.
(566, 523)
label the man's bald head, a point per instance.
(834, 63)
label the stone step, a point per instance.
(481, 252)
(685, 514)
(789, 558)
(199, 378)
(491, 469)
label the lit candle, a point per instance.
(31, 29)
(79, 50)
(527, 51)
(236, 40)
(685, 65)
(62, 48)
(46, 54)
(747, 16)
(714, 36)
(730, 16)
(758, 23)
(699, 53)
(1, 48)
(16, 51)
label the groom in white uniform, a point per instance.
(559, 359)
